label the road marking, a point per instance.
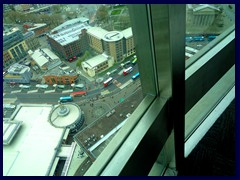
(126, 84)
(105, 92)
(17, 91)
(49, 91)
(33, 91)
(66, 91)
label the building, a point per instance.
(119, 45)
(70, 38)
(32, 146)
(97, 64)
(45, 59)
(203, 14)
(128, 42)
(38, 29)
(95, 38)
(18, 73)
(14, 46)
(31, 40)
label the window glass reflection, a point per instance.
(204, 22)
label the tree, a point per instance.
(102, 13)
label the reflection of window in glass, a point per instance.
(204, 23)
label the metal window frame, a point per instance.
(136, 147)
(153, 126)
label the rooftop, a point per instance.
(127, 33)
(93, 62)
(43, 56)
(18, 69)
(69, 35)
(36, 142)
(37, 26)
(70, 23)
(97, 32)
(113, 36)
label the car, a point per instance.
(70, 60)
(74, 57)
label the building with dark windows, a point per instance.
(95, 38)
(31, 40)
(70, 38)
(117, 44)
(14, 46)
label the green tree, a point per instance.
(102, 13)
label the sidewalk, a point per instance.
(80, 72)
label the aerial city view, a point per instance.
(71, 80)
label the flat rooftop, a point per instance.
(113, 36)
(33, 149)
(93, 62)
(70, 34)
(97, 32)
(127, 33)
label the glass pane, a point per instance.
(204, 22)
(78, 58)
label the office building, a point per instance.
(14, 46)
(70, 38)
(119, 45)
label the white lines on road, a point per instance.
(126, 84)
(105, 92)
(67, 91)
(17, 91)
(33, 91)
(50, 91)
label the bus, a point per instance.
(211, 37)
(188, 39)
(198, 38)
(134, 61)
(108, 81)
(135, 76)
(127, 71)
(65, 99)
(78, 93)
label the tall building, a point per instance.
(117, 44)
(70, 38)
(14, 46)
(95, 38)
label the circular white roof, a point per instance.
(113, 36)
(64, 121)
